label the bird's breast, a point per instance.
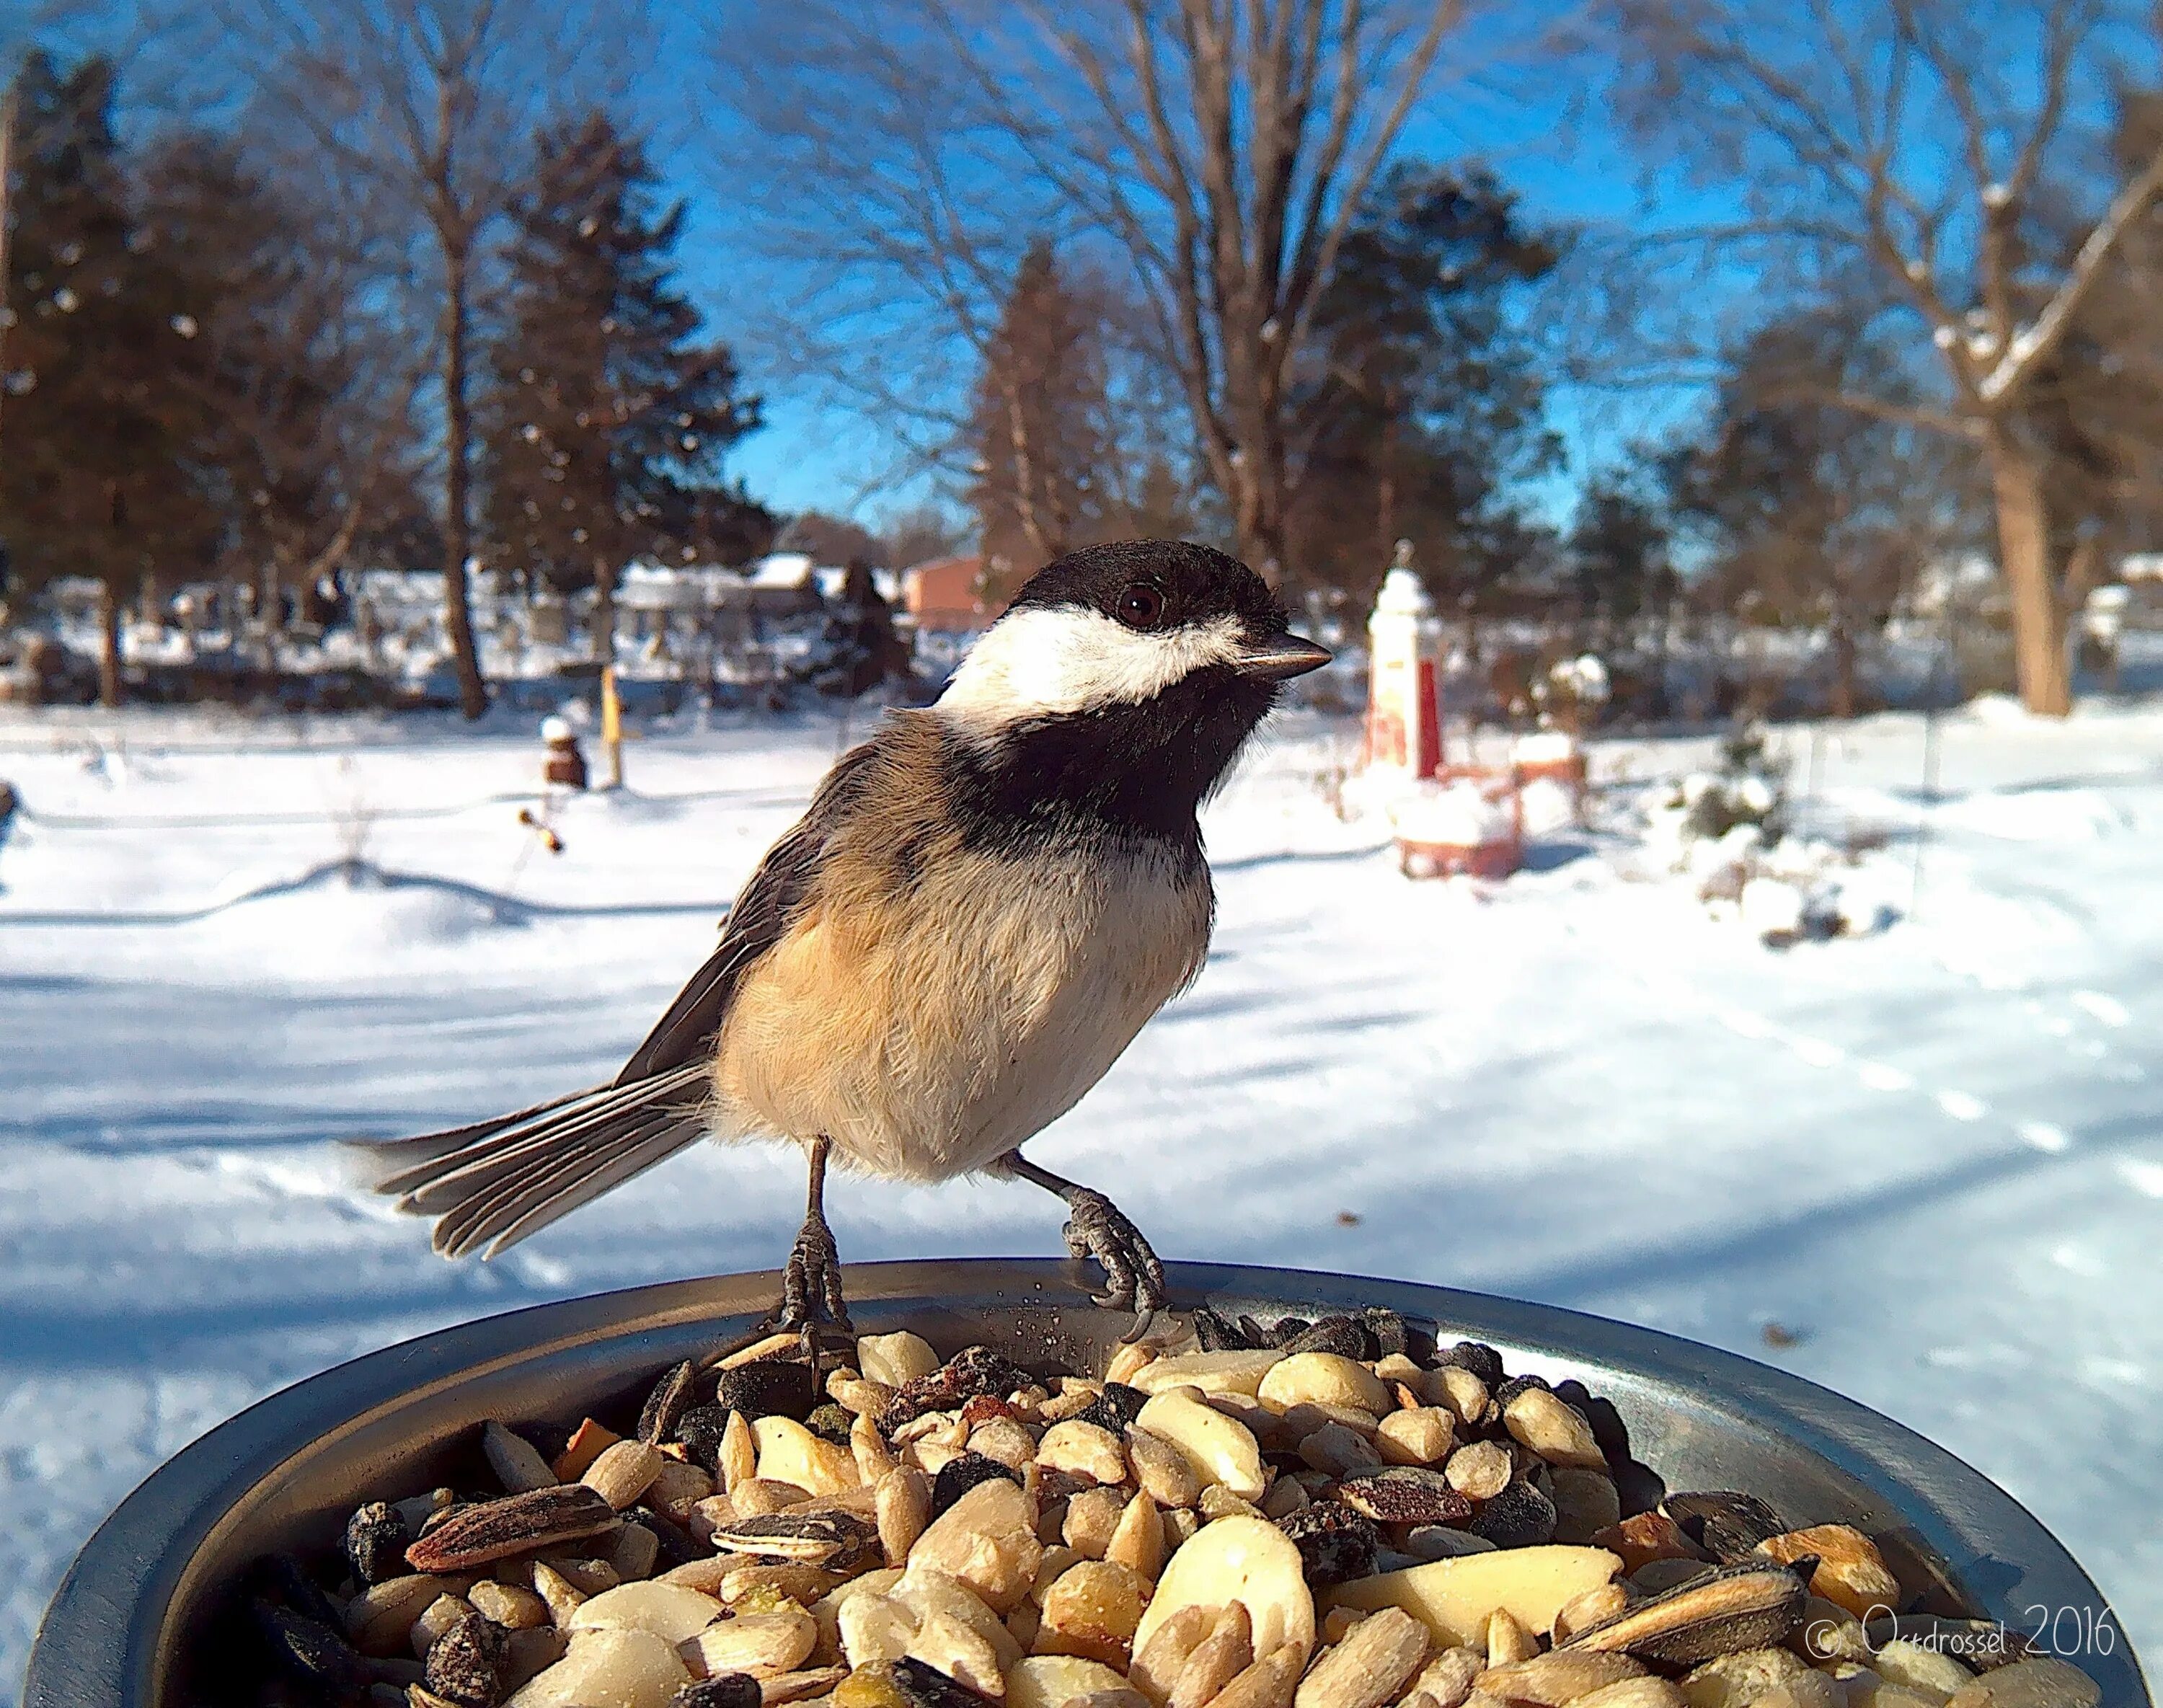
(927, 1027)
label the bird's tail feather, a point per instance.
(496, 1182)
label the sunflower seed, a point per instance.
(1734, 1608)
(666, 1405)
(807, 1538)
(1725, 1524)
(494, 1530)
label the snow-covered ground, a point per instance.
(1925, 1167)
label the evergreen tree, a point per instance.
(1423, 405)
(1618, 557)
(95, 480)
(1036, 427)
(606, 419)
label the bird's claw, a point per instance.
(811, 1296)
(1134, 1275)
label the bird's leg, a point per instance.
(811, 1285)
(1097, 1228)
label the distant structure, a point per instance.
(945, 596)
(1404, 719)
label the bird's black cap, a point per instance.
(1197, 583)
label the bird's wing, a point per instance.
(760, 919)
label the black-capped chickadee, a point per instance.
(980, 909)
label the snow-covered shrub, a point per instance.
(1729, 829)
(1750, 788)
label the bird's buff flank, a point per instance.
(983, 906)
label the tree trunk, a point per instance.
(457, 526)
(604, 611)
(2024, 540)
(9, 101)
(1258, 519)
(1843, 668)
(109, 685)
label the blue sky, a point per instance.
(1567, 167)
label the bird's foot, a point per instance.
(1097, 1228)
(811, 1298)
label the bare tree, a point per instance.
(426, 108)
(1213, 151)
(1931, 147)
(305, 390)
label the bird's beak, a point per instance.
(1281, 656)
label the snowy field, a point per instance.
(1925, 1167)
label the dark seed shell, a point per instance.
(1336, 1544)
(1116, 1409)
(722, 1690)
(495, 1530)
(443, 1514)
(376, 1539)
(808, 1538)
(1216, 1334)
(1476, 1356)
(1729, 1609)
(465, 1664)
(547, 1439)
(309, 1650)
(700, 1429)
(1257, 1336)
(1286, 1328)
(1404, 1495)
(666, 1404)
(1345, 1335)
(1608, 1428)
(1508, 1391)
(1520, 1516)
(1387, 1330)
(677, 1546)
(774, 1388)
(923, 1686)
(282, 1578)
(1639, 1487)
(961, 1473)
(1726, 1525)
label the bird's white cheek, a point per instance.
(1036, 663)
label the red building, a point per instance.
(946, 594)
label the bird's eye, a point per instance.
(1141, 606)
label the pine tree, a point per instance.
(1036, 427)
(1422, 405)
(606, 419)
(1618, 557)
(95, 481)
